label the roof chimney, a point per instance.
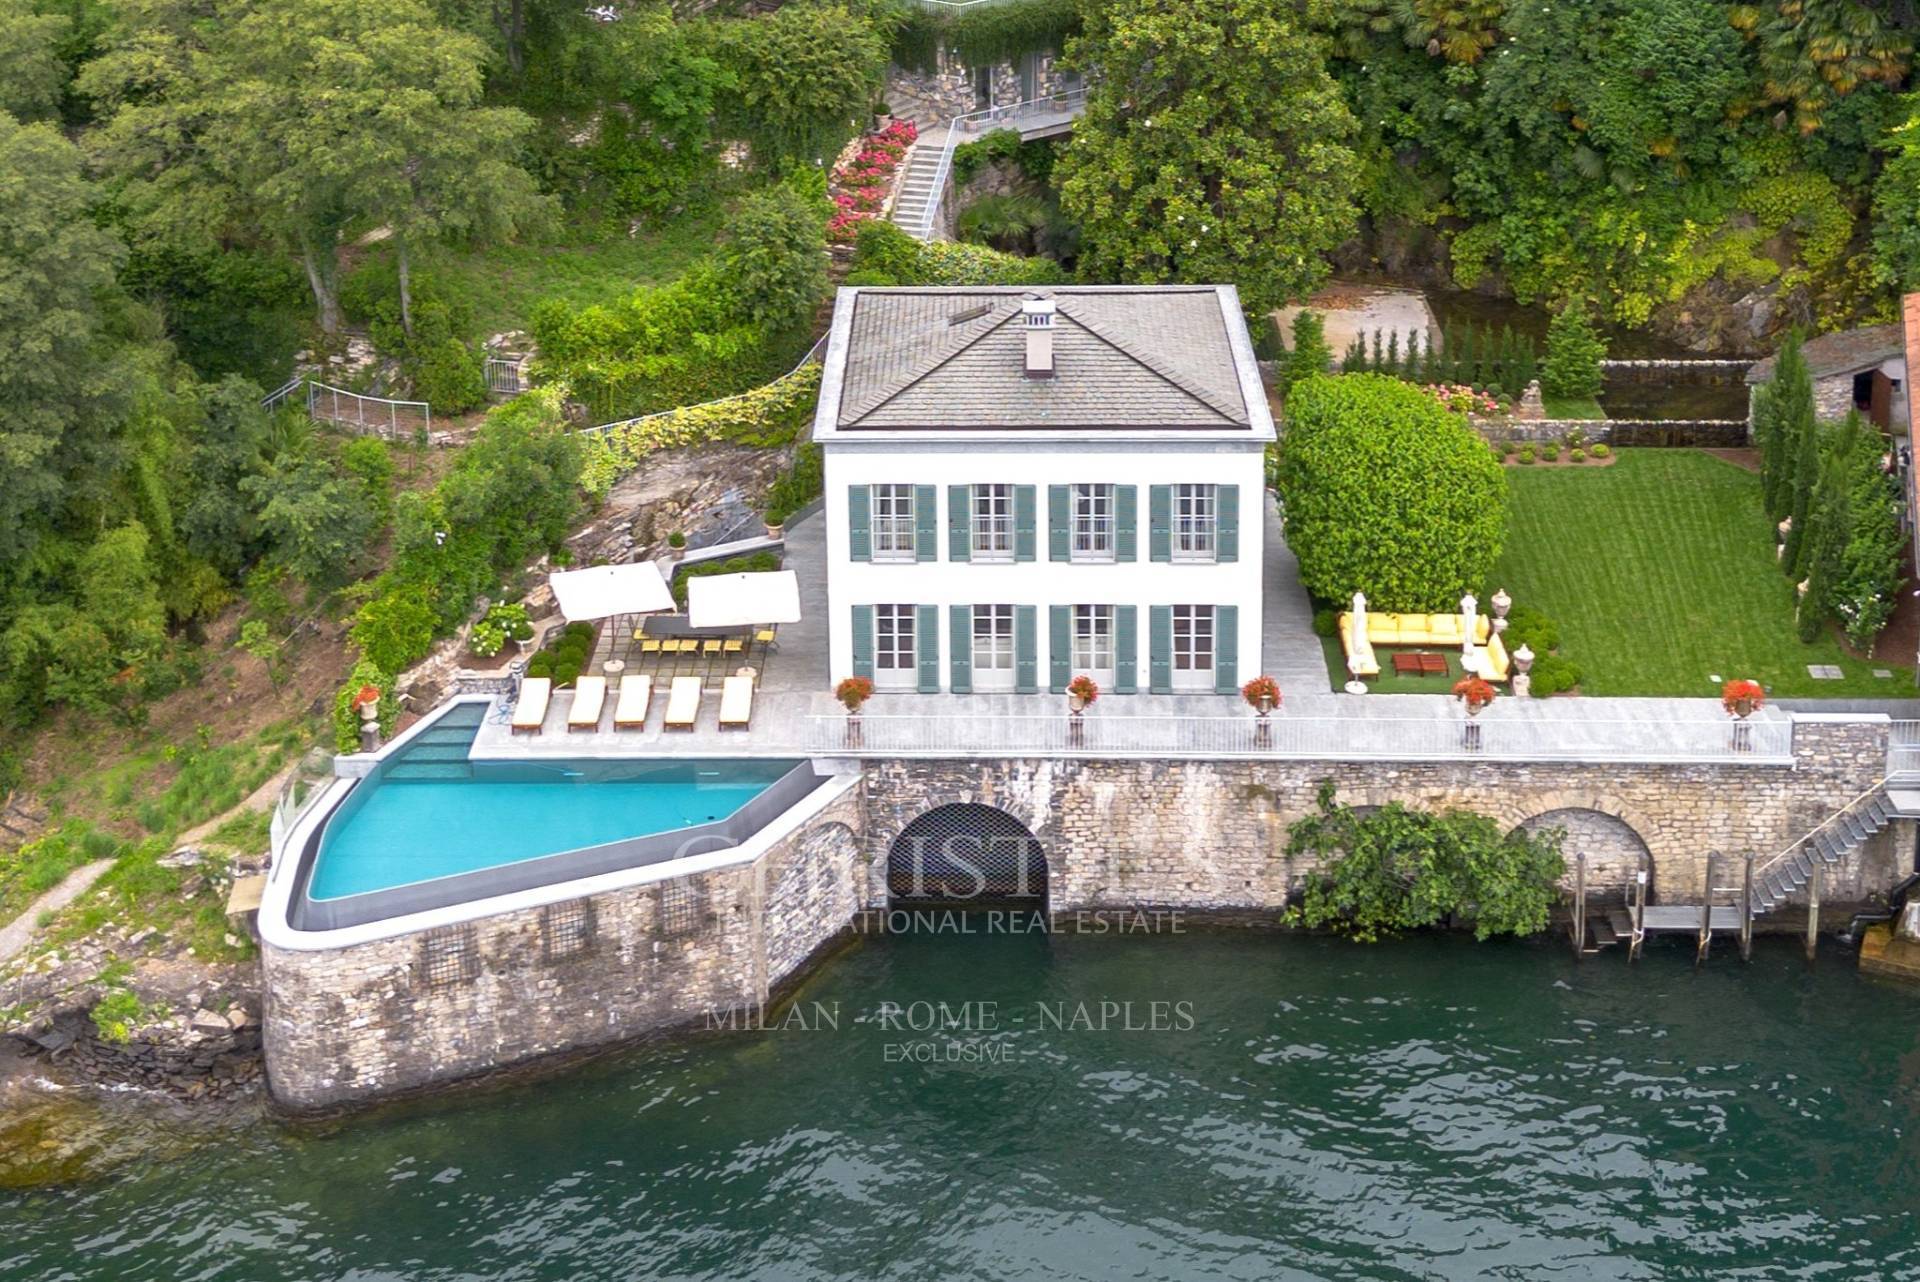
(1037, 314)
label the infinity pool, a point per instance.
(427, 812)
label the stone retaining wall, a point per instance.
(1211, 836)
(396, 1015)
(1709, 433)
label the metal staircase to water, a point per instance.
(1763, 884)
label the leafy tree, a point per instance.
(32, 75)
(1389, 494)
(1309, 354)
(1896, 204)
(801, 79)
(230, 445)
(61, 387)
(395, 628)
(1574, 353)
(316, 521)
(119, 594)
(1867, 587)
(775, 257)
(1398, 869)
(1183, 170)
(295, 120)
(1812, 52)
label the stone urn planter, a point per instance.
(1081, 693)
(1475, 695)
(1263, 696)
(1742, 698)
(853, 693)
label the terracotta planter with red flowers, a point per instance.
(1263, 693)
(1081, 692)
(1474, 693)
(1742, 698)
(853, 692)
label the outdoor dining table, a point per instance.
(667, 626)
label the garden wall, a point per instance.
(1211, 836)
(1705, 433)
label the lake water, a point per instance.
(1430, 1108)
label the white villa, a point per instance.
(1027, 486)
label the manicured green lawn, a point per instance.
(1660, 574)
(1572, 407)
(1389, 681)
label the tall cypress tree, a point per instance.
(1378, 360)
(1764, 407)
(1529, 362)
(1792, 404)
(1460, 369)
(1806, 475)
(1442, 371)
(1355, 361)
(1410, 368)
(1831, 528)
(1393, 355)
(1509, 362)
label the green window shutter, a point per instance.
(960, 648)
(1059, 523)
(863, 641)
(860, 524)
(1059, 647)
(926, 647)
(1126, 649)
(1226, 649)
(1160, 646)
(1026, 649)
(1126, 516)
(1160, 523)
(925, 518)
(1226, 534)
(1023, 519)
(959, 522)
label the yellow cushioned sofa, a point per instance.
(1432, 630)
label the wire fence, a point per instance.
(369, 415)
(1068, 102)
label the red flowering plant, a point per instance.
(1084, 688)
(1742, 698)
(1263, 693)
(1473, 692)
(364, 696)
(854, 691)
(860, 184)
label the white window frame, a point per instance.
(1196, 523)
(1196, 643)
(896, 658)
(991, 522)
(993, 652)
(1093, 644)
(895, 532)
(1092, 537)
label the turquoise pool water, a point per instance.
(429, 813)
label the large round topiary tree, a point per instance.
(1389, 494)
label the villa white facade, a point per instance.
(1023, 487)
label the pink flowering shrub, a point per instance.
(859, 185)
(1461, 399)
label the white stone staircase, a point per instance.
(913, 210)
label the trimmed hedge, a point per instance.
(1389, 494)
(765, 416)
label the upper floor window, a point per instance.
(1196, 522)
(1093, 523)
(893, 531)
(992, 523)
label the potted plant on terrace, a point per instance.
(1081, 692)
(1742, 698)
(853, 692)
(1263, 693)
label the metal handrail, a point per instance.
(1333, 738)
(954, 127)
(812, 357)
(1762, 870)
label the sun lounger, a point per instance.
(589, 697)
(636, 694)
(530, 710)
(736, 702)
(683, 703)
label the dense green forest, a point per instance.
(192, 191)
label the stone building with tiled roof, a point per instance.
(1027, 486)
(1864, 369)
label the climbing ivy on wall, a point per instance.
(983, 35)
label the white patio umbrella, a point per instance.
(1360, 616)
(603, 591)
(743, 600)
(1469, 649)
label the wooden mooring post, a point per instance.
(1579, 905)
(1705, 943)
(1813, 912)
(1639, 916)
(1746, 909)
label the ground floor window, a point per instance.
(1093, 642)
(1193, 635)
(894, 663)
(993, 647)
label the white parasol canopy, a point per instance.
(737, 600)
(607, 590)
